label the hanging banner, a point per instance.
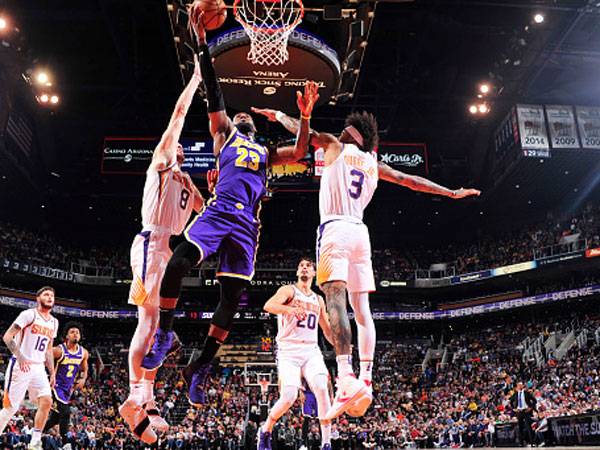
(561, 124)
(532, 129)
(588, 119)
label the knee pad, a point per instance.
(185, 256)
(231, 292)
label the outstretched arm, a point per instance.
(219, 124)
(166, 150)
(420, 184)
(291, 124)
(298, 151)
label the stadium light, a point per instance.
(42, 78)
(483, 108)
(3, 24)
(484, 88)
(473, 109)
(538, 18)
(54, 99)
(44, 98)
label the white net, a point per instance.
(268, 24)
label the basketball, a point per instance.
(215, 12)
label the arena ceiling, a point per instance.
(117, 72)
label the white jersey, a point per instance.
(167, 202)
(293, 331)
(347, 185)
(36, 335)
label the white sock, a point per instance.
(147, 390)
(136, 391)
(5, 416)
(344, 365)
(366, 370)
(36, 436)
(325, 434)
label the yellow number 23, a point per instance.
(243, 154)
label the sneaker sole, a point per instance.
(187, 389)
(343, 407)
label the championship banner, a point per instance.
(561, 123)
(409, 158)
(532, 129)
(506, 136)
(588, 120)
(132, 156)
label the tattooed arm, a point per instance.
(9, 341)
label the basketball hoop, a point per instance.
(264, 386)
(268, 24)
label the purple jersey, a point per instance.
(67, 368)
(242, 167)
(309, 408)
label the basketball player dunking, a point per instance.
(29, 339)
(344, 264)
(71, 372)
(229, 225)
(299, 310)
(167, 204)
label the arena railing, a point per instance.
(557, 250)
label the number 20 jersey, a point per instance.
(291, 330)
(347, 185)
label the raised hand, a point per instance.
(197, 22)
(270, 114)
(462, 193)
(307, 101)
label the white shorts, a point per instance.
(16, 383)
(150, 254)
(299, 361)
(344, 254)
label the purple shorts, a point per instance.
(232, 230)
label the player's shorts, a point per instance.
(299, 361)
(17, 382)
(344, 254)
(230, 229)
(150, 254)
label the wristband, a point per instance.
(279, 116)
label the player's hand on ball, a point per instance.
(197, 23)
(462, 193)
(306, 101)
(211, 177)
(270, 114)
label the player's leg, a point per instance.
(237, 252)
(202, 238)
(361, 281)
(64, 415)
(54, 416)
(289, 373)
(335, 243)
(317, 376)
(140, 344)
(39, 389)
(196, 373)
(15, 387)
(365, 327)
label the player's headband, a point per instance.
(355, 135)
